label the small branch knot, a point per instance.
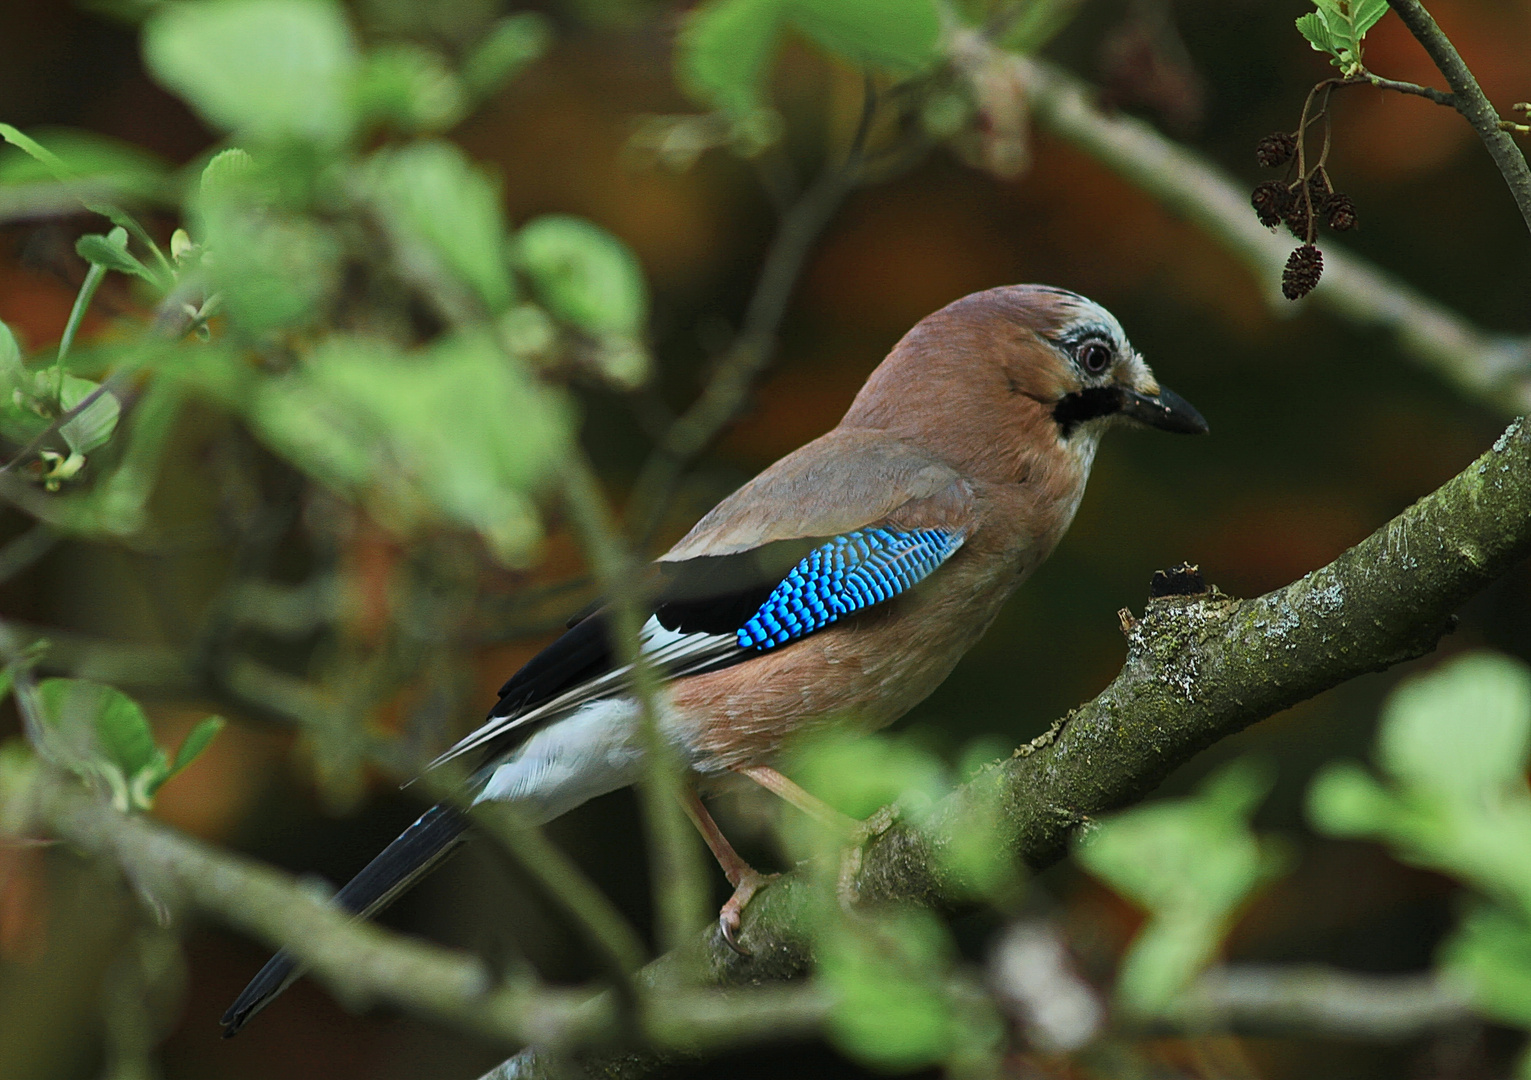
(1183, 580)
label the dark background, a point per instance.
(1320, 433)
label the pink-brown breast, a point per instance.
(873, 667)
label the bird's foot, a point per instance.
(851, 855)
(750, 882)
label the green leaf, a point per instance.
(110, 166)
(1313, 27)
(583, 274)
(196, 741)
(1190, 863)
(890, 1009)
(410, 88)
(60, 171)
(273, 266)
(111, 251)
(107, 737)
(725, 51)
(444, 211)
(899, 36)
(94, 426)
(511, 44)
(859, 774)
(1462, 732)
(1491, 951)
(1344, 801)
(1365, 15)
(10, 354)
(370, 422)
(226, 174)
(268, 69)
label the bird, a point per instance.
(839, 586)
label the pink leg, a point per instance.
(745, 879)
(778, 784)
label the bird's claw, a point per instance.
(729, 919)
(851, 854)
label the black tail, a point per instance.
(417, 851)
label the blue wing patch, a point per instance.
(847, 574)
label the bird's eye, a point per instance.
(1095, 357)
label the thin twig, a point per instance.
(1494, 369)
(679, 875)
(1470, 101)
(752, 349)
(1440, 97)
(1321, 1002)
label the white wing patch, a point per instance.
(674, 653)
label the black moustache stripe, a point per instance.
(1074, 409)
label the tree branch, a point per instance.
(1429, 93)
(363, 963)
(1494, 369)
(1320, 1002)
(1198, 669)
(736, 371)
(1470, 101)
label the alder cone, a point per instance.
(1342, 213)
(1303, 269)
(1276, 149)
(1271, 201)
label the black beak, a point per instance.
(1167, 411)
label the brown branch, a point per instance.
(1494, 369)
(363, 963)
(1198, 669)
(1470, 101)
(751, 351)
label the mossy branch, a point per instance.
(1198, 669)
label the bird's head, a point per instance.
(1015, 370)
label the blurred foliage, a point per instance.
(330, 410)
(1191, 864)
(1455, 747)
(103, 735)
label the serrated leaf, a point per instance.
(269, 69)
(225, 173)
(725, 51)
(1313, 27)
(445, 210)
(196, 741)
(93, 427)
(1365, 14)
(583, 274)
(898, 36)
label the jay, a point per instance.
(839, 586)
